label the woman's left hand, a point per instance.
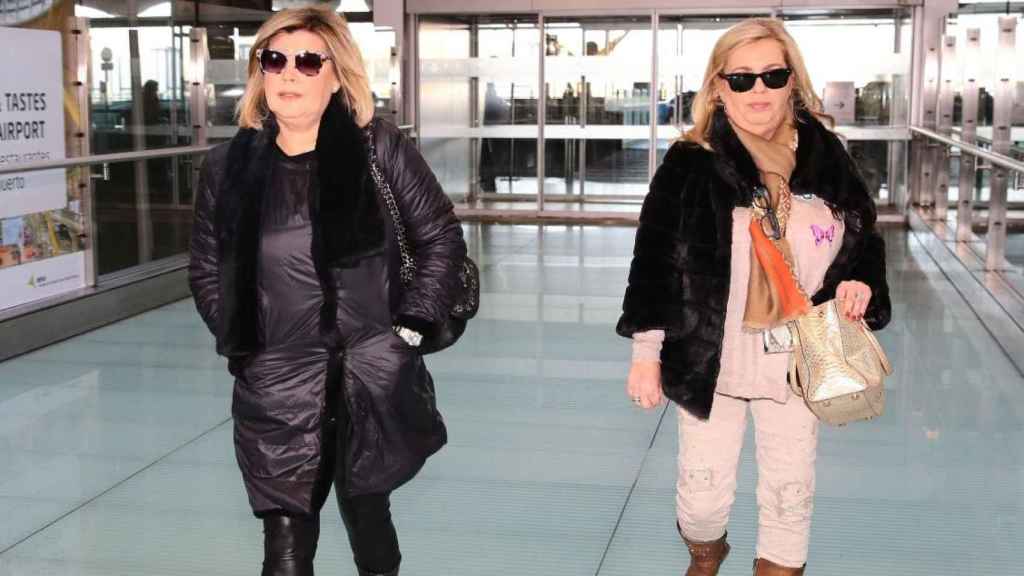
(853, 297)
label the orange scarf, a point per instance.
(774, 295)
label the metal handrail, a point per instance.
(986, 140)
(121, 157)
(105, 159)
(994, 158)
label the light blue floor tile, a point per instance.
(116, 452)
(513, 528)
(531, 465)
(71, 478)
(23, 516)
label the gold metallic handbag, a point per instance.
(837, 366)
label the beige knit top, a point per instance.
(815, 237)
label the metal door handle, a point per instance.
(103, 175)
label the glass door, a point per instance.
(613, 88)
(138, 102)
(478, 105)
(598, 101)
(865, 91)
(684, 47)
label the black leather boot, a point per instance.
(368, 573)
(289, 545)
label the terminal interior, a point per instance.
(544, 123)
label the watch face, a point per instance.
(411, 337)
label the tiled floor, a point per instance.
(1015, 248)
(116, 455)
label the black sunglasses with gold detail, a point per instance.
(744, 81)
(275, 61)
(770, 220)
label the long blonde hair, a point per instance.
(747, 32)
(341, 47)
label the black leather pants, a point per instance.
(290, 541)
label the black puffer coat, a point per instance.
(679, 278)
(281, 400)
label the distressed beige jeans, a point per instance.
(786, 437)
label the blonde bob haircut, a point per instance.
(742, 34)
(345, 58)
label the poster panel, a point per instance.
(40, 253)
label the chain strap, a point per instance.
(782, 212)
(785, 205)
(408, 268)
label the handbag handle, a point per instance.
(407, 272)
(877, 347)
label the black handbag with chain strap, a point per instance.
(448, 331)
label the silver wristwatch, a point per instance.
(411, 337)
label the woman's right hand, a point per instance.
(644, 384)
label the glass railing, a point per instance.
(997, 172)
(146, 92)
(118, 220)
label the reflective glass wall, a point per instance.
(144, 57)
(866, 89)
(618, 87)
(597, 130)
(229, 44)
(138, 101)
(478, 103)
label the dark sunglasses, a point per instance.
(770, 221)
(274, 62)
(744, 81)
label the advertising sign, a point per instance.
(39, 253)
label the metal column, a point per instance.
(542, 111)
(143, 210)
(928, 31)
(1001, 121)
(77, 56)
(198, 57)
(475, 144)
(391, 14)
(968, 133)
(899, 150)
(944, 125)
(926, 194)
(410, 82)
(584, 107)
(899, 191)
(652, 156)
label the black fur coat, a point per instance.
(679, 277)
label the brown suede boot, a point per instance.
(706, 557)
(764, 567)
